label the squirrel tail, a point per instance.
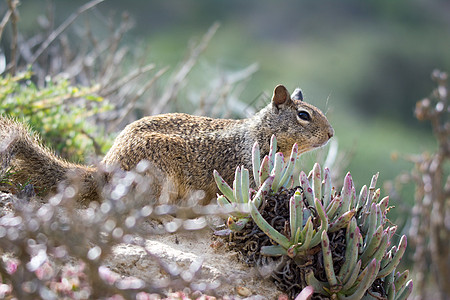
(35, 164)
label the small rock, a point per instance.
(216, 244)
(243, 291)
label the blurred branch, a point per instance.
(177, 80)
(12, 15)
(429, 229)
(114, 54)
(225, 91)
(126, 79)
(131, 104)
(61, 28)
(5, 21)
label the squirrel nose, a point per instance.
(330, 132)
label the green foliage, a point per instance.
(58, 112)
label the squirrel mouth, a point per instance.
(312, 146)
(318, 145)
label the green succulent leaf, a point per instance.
(262, 191)
(390, 292)
(395, 259)
(272, 152)
(363, 282)
(307, 190)
(370, 223)
(319, 286)
(384, 203)
(371, 247)
(342, 221)
(237, 186)
(405, 292)
(237, 225)
(245, 185)
(351, 251)
(295, 212)
(267, 228)
(306, 236)
(381, 251)
(346, 193)
(373, 184)
(362, 198)
(274, 250)
(400, 280)
(388, 280)
(264, 169)
(380, 216)
(353, 275)
(328, 261)
(354, 200)
(323, 223)
(223, 201)
(376, 195)
(277, 171)
(231, 208)
(256, 163)
(297, 237)
(333, 207)
(388, 257)
(317, 181)
(226, 190)
(326, 188)
(289, 169)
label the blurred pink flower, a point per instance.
(11, 265)
(45, 272)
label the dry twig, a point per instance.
(429, 229)
(61, 28)
(176, 81)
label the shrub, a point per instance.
(58, 112)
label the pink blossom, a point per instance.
(107, 275)
(11, 266)
(45, 271)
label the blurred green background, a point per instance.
(364, 63)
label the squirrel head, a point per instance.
(292, 120)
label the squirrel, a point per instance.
(185, 149)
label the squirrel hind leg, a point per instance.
(168, 194)
(175, 193)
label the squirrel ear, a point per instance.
(280, 95)
(297, 94)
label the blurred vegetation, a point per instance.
(54, 112)
(428, 229)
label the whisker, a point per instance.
(326, 104)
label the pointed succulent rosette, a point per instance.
(340, 242)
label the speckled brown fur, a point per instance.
(185, 149)
(35, 164)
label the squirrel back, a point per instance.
(183, 150)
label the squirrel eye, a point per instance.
(304, 116)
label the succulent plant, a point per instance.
(302, 237)
(316, 211)
(270, 175)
